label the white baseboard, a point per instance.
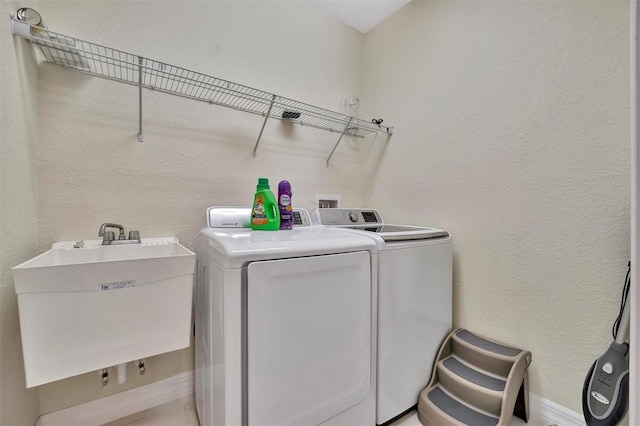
(545, 412)
(122, 404)
(114, 407)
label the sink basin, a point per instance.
(84, 309)
(65, 268)
(64, 253)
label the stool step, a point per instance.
(473, 375)
(471, 385)
(457, 409)
(490, 356)
(487, 345)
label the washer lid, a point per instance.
(370, 220)
(236, 247)
(402, 232)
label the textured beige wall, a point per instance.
(512, 132)
(18, 208)
(92, 169)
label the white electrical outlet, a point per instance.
(327, 201)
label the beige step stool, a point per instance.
(476, 381)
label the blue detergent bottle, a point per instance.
(284, 205)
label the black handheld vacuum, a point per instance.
(605, 395)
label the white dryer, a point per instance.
(285, 324)
(414, 302)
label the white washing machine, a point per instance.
(285, 324)
(414, 302)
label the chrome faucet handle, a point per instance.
(134, 235)
(108, 237)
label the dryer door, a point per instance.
(308, 337)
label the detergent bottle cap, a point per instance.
(263, 183)
(283, 186)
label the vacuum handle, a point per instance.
(623, 326)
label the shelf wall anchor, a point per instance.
(140, 137)
(339, 139)
(264, 123)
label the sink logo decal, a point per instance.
(117, 285)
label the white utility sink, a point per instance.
(95, 306)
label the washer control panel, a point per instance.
(346, 217)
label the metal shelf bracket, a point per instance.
(140, 71)
(264, 123)
(339, 139)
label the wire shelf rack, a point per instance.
(105, 62)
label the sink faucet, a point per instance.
(109, 236)
(104, 226)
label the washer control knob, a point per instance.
(353, 217)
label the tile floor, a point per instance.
(182, 412)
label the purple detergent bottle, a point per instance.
(284, 204)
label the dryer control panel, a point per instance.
(240, 217)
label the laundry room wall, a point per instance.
(194, 155)
(512, 132)
(18, 209)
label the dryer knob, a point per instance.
(353, 217)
